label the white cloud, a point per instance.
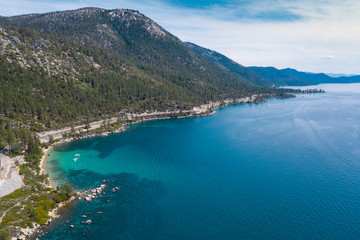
(324, 30)
(330, 57)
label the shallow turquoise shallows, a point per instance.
(282, 170)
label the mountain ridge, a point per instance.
(90, 62)
(293, 77)
(230, 65)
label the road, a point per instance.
(57, 134)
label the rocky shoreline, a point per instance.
(36, 229)
(86, 196)
(202, 110)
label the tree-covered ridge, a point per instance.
(132, 36)
(83, 64)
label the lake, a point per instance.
(284, 169)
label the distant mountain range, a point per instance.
(292, 77)
(336, 75)
(270, 76)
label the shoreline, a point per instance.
(200, 111)
(122, 129)
(197, 111)
(54, 213)
(203, 110)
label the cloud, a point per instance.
(330, 57)
(330, 28)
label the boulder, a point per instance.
(88, 222)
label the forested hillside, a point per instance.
(81, 64)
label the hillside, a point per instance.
(226, 63)
(279, 77)
(86, 63)
(292, 77)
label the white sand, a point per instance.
(43, 159)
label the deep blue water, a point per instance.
(285, 169)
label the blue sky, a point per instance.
(316, 36)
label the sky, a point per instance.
(309, 35)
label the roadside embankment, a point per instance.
(10, 180)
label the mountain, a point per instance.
(336, 75)
(292, 77)
(82, 64)
(278, 77)
(352, 79)
(315, 78)
(226, 63)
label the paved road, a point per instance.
(44, 136)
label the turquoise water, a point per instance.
(285, 169)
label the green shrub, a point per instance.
(46, 204)
(4, 234)
(41, 215)
(16, 194)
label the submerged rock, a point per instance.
(88, 198)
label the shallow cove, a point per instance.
(285, 169)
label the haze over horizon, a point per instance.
(310, 36)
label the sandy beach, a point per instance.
(43, 159)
